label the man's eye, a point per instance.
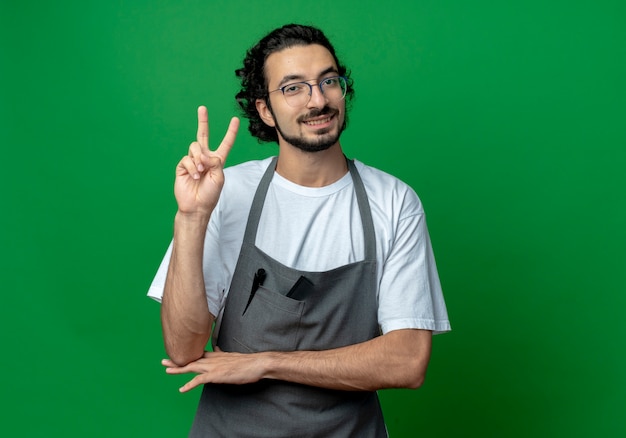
(293, 89)
(330, 82)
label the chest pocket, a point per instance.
(271, 322)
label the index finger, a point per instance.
(203, 127)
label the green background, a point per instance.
(508, 119)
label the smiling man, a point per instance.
(321, 126)
(312, 274)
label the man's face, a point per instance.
(317, 125)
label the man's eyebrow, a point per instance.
(290, 78)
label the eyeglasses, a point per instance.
(298, 94)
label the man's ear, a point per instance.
(265, 113)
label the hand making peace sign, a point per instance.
(200, 174)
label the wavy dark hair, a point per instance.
(252, 74)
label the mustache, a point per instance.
(319, 112)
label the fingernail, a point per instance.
(196, 176)
(200, 167)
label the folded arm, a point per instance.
(398, 359)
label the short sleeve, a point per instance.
(410, 294)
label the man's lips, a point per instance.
(322, 120)
(319, 117)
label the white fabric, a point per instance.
(318, 229)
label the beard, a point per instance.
(324, 138)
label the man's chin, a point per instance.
(314, 147)
(321, 142)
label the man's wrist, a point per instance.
(268, 364)
(190, 230)
(192, 220)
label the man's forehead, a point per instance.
(302, 61)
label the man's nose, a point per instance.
(317, 100)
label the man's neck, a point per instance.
(311, 169)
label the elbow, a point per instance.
(408, 355)
(183, 349)
(182, 355)
(415, 374)
(407, 376)
(181, 358)
(416, 380)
